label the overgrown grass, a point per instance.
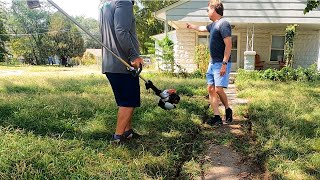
(56, 125)
(286, 124)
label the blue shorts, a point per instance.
(126, 89)
(213, 75)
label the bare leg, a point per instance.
(124, 119)
(128, 127)
(213, 99)
(223, 96)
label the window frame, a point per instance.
(238, 48)
(202, 34)
(270, 49)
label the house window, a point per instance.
(234, 50)
(277, 48)
(203, 40)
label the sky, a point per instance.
(87, 8)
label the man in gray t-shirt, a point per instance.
(118, 31)
(219, 68)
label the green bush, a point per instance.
(86, 59)
(197, 74)
(202, 58)
(309, 74)
(289, 74)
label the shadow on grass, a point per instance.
(285, 135)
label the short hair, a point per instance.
(217, 5)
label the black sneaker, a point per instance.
(117, 139)
(215, 121)
(130, 134)
(229, 115)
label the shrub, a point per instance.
(269, 74)
(202, 58)
(197, 74)
(86, 59)
(167, 54)
(289, 74)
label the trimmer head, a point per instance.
(32, 4)
(169, 99)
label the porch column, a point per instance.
(249, 58)
(166, 27)
(249, 54)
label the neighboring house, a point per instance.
(256, 24)
(96, 52)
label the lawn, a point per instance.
(56, 123)
(286, 125)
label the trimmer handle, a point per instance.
(135, 72)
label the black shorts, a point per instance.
(126, 89)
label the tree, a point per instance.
(167, 53)
(3, 37)
(311, 4)
(33, 24)
(92, 26)
(147, 24)
(42, 33)
(67, 39)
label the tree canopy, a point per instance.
(147, 24)
(66, 37)
(41, 33)
(92, 25)
(3, 33)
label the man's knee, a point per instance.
(219, 90)
(211, 89)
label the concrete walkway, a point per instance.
(226, 163)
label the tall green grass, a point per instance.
(286, 124)
(56, 125)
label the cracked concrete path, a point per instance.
(224, 162)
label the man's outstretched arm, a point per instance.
(197, 28)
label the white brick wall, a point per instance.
(306, 48)
(184, 49)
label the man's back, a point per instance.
(117, 26)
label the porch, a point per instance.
(257, 25)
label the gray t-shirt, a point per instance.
(118, 31)
(218, 31)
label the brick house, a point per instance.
(256, 24)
